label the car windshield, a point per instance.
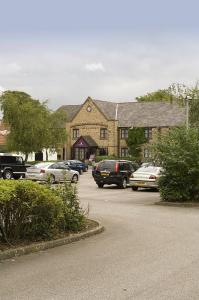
(106, 165)
(150, 169)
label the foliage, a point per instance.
(33, 126)
(28, 210)
(99, 158)
(159, 95)
(55, 131)
(74, 216)
(178, 152)
(136, 139)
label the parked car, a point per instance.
(12, 166)
(145, 177)
(54, 172)
(76, 165)
(113, 172)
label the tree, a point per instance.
(178, 153)
(136, 139)
(32, 125)
(159, 95)
(55, 131)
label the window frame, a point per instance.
(124, 133)
(75, 133)
(148, 133)
(124, 150)
(103, 133)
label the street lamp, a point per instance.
(187, 99)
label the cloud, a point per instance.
(95, 67)
(1, 90)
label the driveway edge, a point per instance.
(178, 204)
(7, 254)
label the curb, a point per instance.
(177, 204)
(7, 254)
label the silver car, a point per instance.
(53, 172)
(145, 177)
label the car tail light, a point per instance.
(116, 167)
(42, 171)
(152, 177)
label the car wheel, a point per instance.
(123, 184)
(16, 177)
(134, 188)
(52, 179)
(100, 185)
(7, 174)
(75, 179)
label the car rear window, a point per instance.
(149, 169)
(106, 165)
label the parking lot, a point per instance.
(146, 252)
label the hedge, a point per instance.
(30, 211)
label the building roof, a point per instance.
(70, 110)
(107, 108)
(90, 141)
(136, 114)
(150, 114)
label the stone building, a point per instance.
(101, 127)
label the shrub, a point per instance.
(178, 152)
(28, 210)
(74, 216)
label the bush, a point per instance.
(28, 210)
(178, 152)
(74, 216)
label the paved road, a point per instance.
(147, 252)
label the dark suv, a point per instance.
(113, 172)
(12, 166)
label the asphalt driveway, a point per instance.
(146, 252)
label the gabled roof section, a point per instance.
(135, 114)
(85, 140)
(107, 108)
(90, 141)
(71, 110)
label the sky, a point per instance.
(64, 51)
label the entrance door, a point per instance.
(80, 153)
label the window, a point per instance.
(103, 151)
(103, 133)
(124, 152)
(75, 133)
(124, 133)
(148, 133)
(146, 153)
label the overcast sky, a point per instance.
(65, 51)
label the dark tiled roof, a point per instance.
(90, 141)
(150, 114)
(107, 108)
(70, 110)
(137, 114)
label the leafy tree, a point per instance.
(136, 139)
(55, 131)
(33, 126)
(159, 95)
(178, 153)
